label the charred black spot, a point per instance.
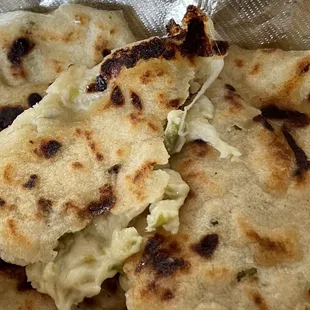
(8, 115)
(230, 87)
(44, 205)
(207, 245)
(117, 97)
(128, 57)
(196, 38)
(161, 259)
(167, 294)
(2, 202)
(114, 169)
(172, 28)
(169, 54)
(136, 102)
(33, 99)
(106, 52)
(305, 69)
(261, 119)
(49, 149)
(105, 203)
(214, 222)
(174, 103)
(294, 118)
(301, 158)
(99, 86)
(20, 48)
(31, 183)
(193, 43)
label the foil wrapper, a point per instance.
(248, 23)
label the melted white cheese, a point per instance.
(165, 212)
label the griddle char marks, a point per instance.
(48, 148)
(105, 203)
(207, 245)
(190, 43)
(117, 97)
(162, 257)
(301, 158)
(271, 246)
(291, 119)
(19, 49)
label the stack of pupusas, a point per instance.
(79, 167)
(162, 171)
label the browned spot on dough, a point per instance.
(105, 203)
(112, 31)
(99, 156)
(106, 52)
(8, 173)
(99, 86)
(136, 118)
(120, 152)
(291, 117)
(301, 158)
(199, 148)
(207, 245)
(239, 63)
(2, 202)
(261, 119)
(48, 148)
(234, 100)
(114, 169)
(117, 97)
(173, 28)
(32, 181)
(146, 77)
(230, 87)
(153, 126)
(259, 301)
(135, 101)
(33, 99)
(174, 103)
(57, 66)
(303, 66)
(276, 247)
(167, 295)
(19, 48)
(255, 69)
(160, 259)
(44, 206)
(77, 165)
(141, 173)
(14, 233)
(8, 115)
(78, 131)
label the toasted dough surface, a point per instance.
(270, 76)
(36, 48)
(59, 157)
(243, 241)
